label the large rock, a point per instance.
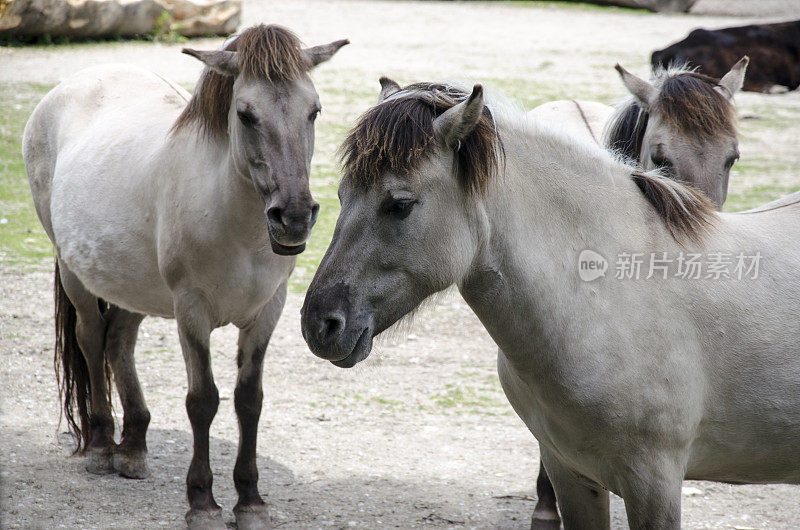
(195, 18)
(105, 18)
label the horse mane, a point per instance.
(688, 101)
(269, 52)
(686, 211)
(397, 135)
(625, 131)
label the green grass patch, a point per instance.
(466, 398)
(22, 239)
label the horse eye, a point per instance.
(247, 118)
(400, 208)
(732, 160)
(661, 161)
(313, 116)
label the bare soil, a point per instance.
(420, 434)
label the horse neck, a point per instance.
(228, 196)
(541, 214)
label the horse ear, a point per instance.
(388, 88)
(733, 80)
(457, 122)
(642, 90)
(221, 61)
(320, 54)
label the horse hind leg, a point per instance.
(545, 514)
(84, 378)
(130, 456)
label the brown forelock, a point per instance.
(397, 135)
(266, 52)
(689, 101)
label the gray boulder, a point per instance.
(105, 18)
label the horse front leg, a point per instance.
(202, 400)
(250, 510)
(583, 505)
(545, 514)
(652, 494)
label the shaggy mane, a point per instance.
(686, 211)
(397, 135)
(267, 52)
(688, 101)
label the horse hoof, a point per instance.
(132, 465)
(545, 520)
(99, 461)
(252, 517)
(205, 520)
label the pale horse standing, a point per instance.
(683, 123)
(630, 386)
(193, 211)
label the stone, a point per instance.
(125, 18)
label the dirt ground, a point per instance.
(419, 435)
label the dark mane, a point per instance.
(687, 213)
(397, 135)
(626, 130)
(269, 52)
(687, 100)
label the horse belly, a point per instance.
(120, 271)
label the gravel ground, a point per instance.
(420, 434)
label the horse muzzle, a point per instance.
(289, 229)
(332, 334)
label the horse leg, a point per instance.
(545, 514)
(652, 495)
(90, 331)
(202, 400)
(130, 456)
(582, 505)
(250, 510)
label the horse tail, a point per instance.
(72, 372)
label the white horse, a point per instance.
(631, 383)
(682, 122)
(190, 210)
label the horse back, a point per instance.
(94, 151)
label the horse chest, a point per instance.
(238, 281)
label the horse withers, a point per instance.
(192, 208)
(630, 382)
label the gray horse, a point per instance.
(190, 210)
(630, 383)
(683, 123)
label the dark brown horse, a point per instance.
(774, 48)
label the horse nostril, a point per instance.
(331, 327)
(314, 212)
(275, 216)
